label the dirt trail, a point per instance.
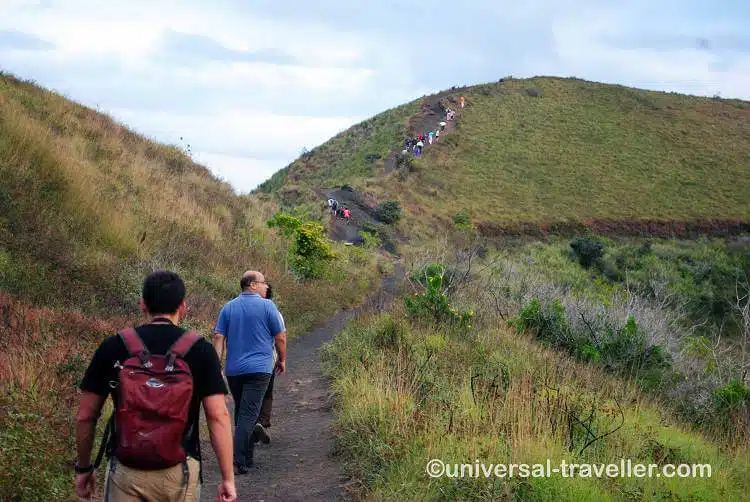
(299, 463)
(431, 113)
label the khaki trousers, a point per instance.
(125, 484)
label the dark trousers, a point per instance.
(247, 391)
(265, 410)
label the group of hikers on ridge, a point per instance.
(160, 374)
(339, 211)
(417, 143)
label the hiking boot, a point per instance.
(260, 434)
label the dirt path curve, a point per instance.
(299, 464)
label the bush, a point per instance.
(732, 396)
(383, 232)
(623, 349)
(370, 240)
(309, 250)
(533, 92)
(388, 212)
(433, 303)
(461, 218)
(587, 251)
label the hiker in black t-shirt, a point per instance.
(135, 477)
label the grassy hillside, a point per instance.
(523, 354)
(551, 150)
(87, 210)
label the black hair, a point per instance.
(163, 292)
(269, 291)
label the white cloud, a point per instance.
(243, 173)
(585, 49)
(247, 118)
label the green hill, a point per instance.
(550, 151)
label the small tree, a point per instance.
(588, 251)
(309, 250)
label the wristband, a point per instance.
(83, 470)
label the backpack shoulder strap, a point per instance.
(134, 344)
(182, 346)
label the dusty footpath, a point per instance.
(300, 462)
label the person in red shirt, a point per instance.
(347, 215)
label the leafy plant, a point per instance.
(388, 212)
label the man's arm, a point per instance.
(280, 341)
(219, 343)
(220, 430)
(89, 410)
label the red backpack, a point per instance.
(154, 396)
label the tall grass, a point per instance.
(407, 395)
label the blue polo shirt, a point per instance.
(249, 324)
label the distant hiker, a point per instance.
(333, 204)
(442, 125)
(264, 418)
(430, 136)
(437, 135)
(463, 101)
(407, 143)
(249, 326)
(347, 215)
(159, 375)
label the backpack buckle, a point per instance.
(170, 362)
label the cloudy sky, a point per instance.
(249, 83)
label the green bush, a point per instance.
(433, 303)
(622, 349)
(732, 396)
(587, 251)
(309, 250)
(388, 212)
(461, 218)
(371, 240)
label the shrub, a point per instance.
(388, 212)
(587, 251)
(433, 303)
(370, 239)
(732, 396)
(461, 218)
(309, 250)
(533, 92)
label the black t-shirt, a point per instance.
(158, 338)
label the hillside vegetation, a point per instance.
(521, 354)
(547, 151)
(87, 210)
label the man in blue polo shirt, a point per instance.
(249, 326)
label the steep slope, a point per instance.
(87, 210)
(552, 151)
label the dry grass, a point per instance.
(87, 210)
(502, 398)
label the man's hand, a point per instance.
(226, 492)
(85, 484)
(280, 367)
